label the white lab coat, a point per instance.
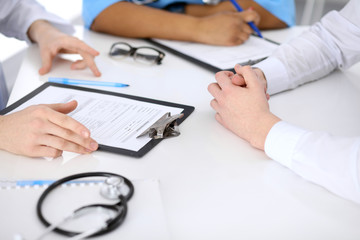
(330, 161)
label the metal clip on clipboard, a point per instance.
(165, 127)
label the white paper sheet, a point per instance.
(223, 57)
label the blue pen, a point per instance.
(23, 183)
(31, 183)
(70, 81)
(251, 24)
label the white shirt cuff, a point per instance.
(281, 142)
(275, 73)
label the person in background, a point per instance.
(241, 103)
(43, 130)
(205, 21)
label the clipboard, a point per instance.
(179, 48)
(45, 92)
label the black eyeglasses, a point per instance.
(146, 55)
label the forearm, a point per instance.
(267, 19)
(130, 20)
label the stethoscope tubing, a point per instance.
(111, 225)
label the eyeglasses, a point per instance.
(146, 55)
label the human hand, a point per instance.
(268, 20)
(45, 131)
(52, 42)
(242, 108)
(238, 79)
(226, 28)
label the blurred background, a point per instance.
(12, 50)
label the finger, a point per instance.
(57, 117)
(238, 80)
(63, 107)
(229, 73)
(88, 53)
(86, 48)
(62, 144)
(249, 75)
(46, 59)
(81, 64)
(78, 65)
(250, 16)
(215, 105)
(214, 89)
(89, 60)
(219, 119)
(45, 151)
(223, 79)
(68, 140)
(247, 29)
(74, 45)
(245, 36)
(258, 18)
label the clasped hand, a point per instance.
(241, 104)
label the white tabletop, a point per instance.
(213, 184)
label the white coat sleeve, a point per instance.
(330, 161)
(330, 44)
(16, 16)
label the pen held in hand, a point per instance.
(70, 81)
(251, 24)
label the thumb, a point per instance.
(251, 16)
(64, 107)
(249, 75)
(238, 80)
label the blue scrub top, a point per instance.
(282, 9)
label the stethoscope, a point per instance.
(115, 187)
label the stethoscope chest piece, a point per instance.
(114, 187)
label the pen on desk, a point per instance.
(251, 24)
(70, 81)
(32, 183)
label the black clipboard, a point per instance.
(187, 110)
(200, 63)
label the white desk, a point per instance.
(213, 184)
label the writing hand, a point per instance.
(226, 28)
